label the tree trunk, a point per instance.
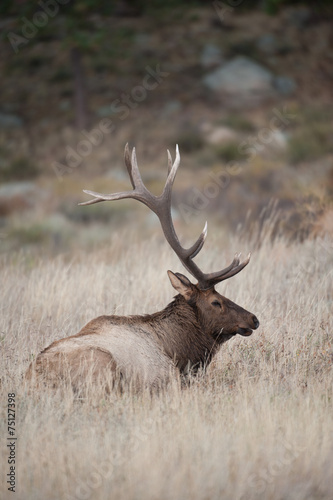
(80, 96)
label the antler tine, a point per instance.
(128, 163)
(135, 171)
(234, 268)
(172, 171)
(169, 161)
(99, 197)
(195, 249)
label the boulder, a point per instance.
(221, 135)
(20, 196)
(171, 107)
(285, 85)
(10, 121)
(268, 44)
(211, 56)
(242, 80)
(299, 16)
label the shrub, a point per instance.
(20, 168)
(229, 152)
(310, 143)
(239, 123)
(190, 141)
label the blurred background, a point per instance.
(244, 88)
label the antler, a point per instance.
(161, 206)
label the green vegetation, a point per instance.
(238, 122)
(310, 142)
(273, 6)
(61, 75)
(229, 152)
(34, 234)
(101, 212)
(19, 168)
(189, 141)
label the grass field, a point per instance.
(258, 425)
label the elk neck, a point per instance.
(178, 330)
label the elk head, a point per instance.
(219, 316)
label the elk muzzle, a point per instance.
(246, 330)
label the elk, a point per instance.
(149, 349)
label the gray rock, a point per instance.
(299, 16)
(143, 41)
(65, 105)
(12, 189)
(171, 107)
(211, 56)
(10, 121)
(271, 45)
(104, 111)
(241, 78)
(56, 223)
(221, 135)
(285, 85)
(279, 139)
(17, 196)
(268, 44)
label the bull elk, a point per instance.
(149, 349)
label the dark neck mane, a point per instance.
(180, 334)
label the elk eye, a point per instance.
(216, 304)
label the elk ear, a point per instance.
(181, 284)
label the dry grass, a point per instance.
(258, 425)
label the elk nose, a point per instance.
(255, 321)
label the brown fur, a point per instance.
(148, 349)
(91, 364)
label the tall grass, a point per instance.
(258, 424)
